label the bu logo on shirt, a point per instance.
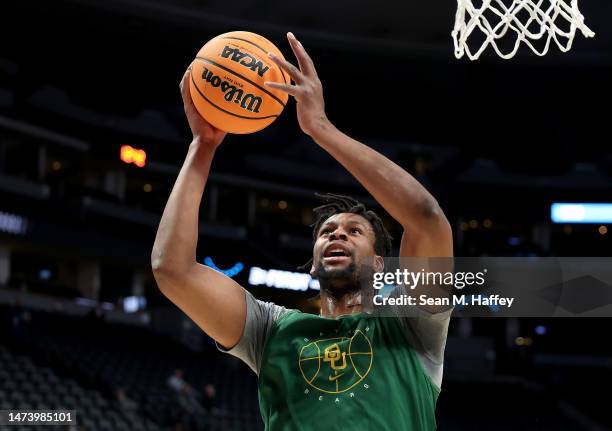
(335, 365)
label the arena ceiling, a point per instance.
(393, 27)
(388, 70)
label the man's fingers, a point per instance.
(184, 79)
(185, 86)
(304, 61)
(287, 88)
(293, 71)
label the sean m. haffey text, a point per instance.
(457, 280)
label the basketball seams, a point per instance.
(360, 376)
(318, 357)
(226, 69)
(225, 111)
(318, 364)
(245, 40)
(257, 46)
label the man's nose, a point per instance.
(338, 234)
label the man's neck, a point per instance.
(338, 303)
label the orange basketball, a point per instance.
(227, 82)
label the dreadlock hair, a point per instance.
(336, 204)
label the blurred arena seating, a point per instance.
(84, 361)
(27, 385)
(502, 404)
(49, 360)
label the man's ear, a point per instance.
(379, 263)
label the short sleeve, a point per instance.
(427, 333)
(260, 317)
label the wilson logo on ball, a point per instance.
(228, 78)
(244, 59)
(248, 101)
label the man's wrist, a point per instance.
(200, 144)
(321, 128)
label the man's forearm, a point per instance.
(399, 193)
(215, 302)
(175, 244)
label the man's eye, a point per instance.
(325, 231)
(355, 230)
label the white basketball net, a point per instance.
(521, 18)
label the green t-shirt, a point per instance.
(356, 372)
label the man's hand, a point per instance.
(307, 91)
(201, 129)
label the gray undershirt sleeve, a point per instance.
(260, 316)
(427, 333)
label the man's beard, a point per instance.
(346, 275)
(348, 279)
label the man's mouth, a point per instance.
(335, 254)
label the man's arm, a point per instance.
(213, 301)
(427, 232)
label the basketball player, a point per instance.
(345, 369)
